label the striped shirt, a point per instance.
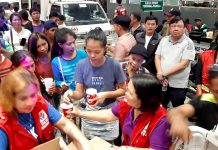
(5, 66)
(123, 46)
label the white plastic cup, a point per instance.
(65, 107)
(48, 82)
(209, 34)
(91, 94)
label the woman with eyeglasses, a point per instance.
(204, 109)
(26, 119)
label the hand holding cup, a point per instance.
(66, 108)
(48, 82)
(91, 95)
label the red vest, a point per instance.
(207, 60)
(144, 127)
(18, 137)
(120, 10)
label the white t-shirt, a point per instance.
(147, 40)
(172, 54)
(17, 38)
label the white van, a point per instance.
(4, 3)
(81, 17)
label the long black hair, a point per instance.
(61, 37)
(149, 90)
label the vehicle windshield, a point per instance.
(83, 14)
(5, 4)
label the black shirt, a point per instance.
(206, 113)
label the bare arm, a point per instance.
(73, 132)
(75, 95)
(158, 67)
(199, 89)
(105, 115)
(120, 91)
(102, 96)
(79, 92)
(5, 52)
(180, 66)
(177, 117)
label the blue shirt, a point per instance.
(103, 78)
(53, 115)
(68, 67)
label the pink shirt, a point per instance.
(123, 46)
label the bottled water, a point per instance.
(164, 88)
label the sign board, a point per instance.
(152, 5)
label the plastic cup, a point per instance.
(91, 94)
(209, 34)
(65, 107)
(48, 83)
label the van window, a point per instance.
(55, 8)
(5, 4)
(83, 14)
(35, 4)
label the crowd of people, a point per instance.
(136, 79)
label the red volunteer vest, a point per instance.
(144, 127)
(207, 60)
(120, 10)
(18, 137)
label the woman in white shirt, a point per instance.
(17, 36)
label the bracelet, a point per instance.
(161, 75)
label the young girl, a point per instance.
(39, 47)
(64, 65)
(106, 76)
(26, 119)
(23, 59)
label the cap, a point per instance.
(198, 19)
(139, 50)
(173, 12)
(50, 24)
(122, 20)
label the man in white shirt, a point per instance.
(172, 60)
